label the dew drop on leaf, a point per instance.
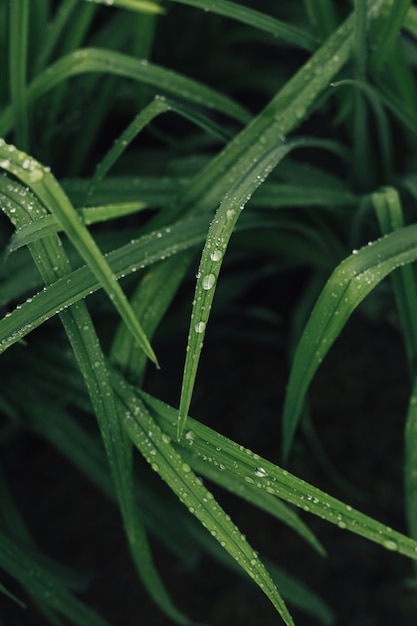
(208, 281)
(200, 327)
(35, 175)
(216, 255)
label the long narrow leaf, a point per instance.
(51, 260)
(157, 449)
(82, 282)
(90, 60)
(287, 109)
(349, 284)
(257, 19)
(217, 240)
(225, 455)
(390, 215)
(141, 6)
(19, 24)
(48, 190)
(39, 581)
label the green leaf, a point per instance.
(228, 456)
(211, 260)
(390, 216)
(157, 449)
(256, 19)
(18, 52)
(217, 241)
(88, 60)
(389, 24)
(51, 261)
(141, 6)
(290, 106)
(11, 596)
(348, 285)
(43, 584)
(158, 106)
(214, 469)
(81, 282)
(51, 194)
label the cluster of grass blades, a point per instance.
(132, 137)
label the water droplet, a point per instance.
(200, 327)
(208, 281)
(389, 544)
(35, 175)
(261, 472)
(190, 437)
(186, 468)
(216, 255)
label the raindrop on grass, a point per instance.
(200, 327)
(389, 544)
(190, 437)
(259, 471)
(35, 175)
(208, 281)
(216, 255)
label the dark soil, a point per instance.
(358, 404)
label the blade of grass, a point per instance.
(150, 302)
(214, 250)
(18, 42)
(4, 47)
(80, 283)
(256, 19)
(11, 596)
(156, 190)
(214, 471)
(410, 465)
(52, 262)
(68, 39)
(42, 584)
(88, 60)
(47, 224)
(54, 31)
(360, 121)
(51, 194)
(322, 14)
(211, 260)
(284, 113)
(141, 6)
(156, 448)
(215, 449)
(390, 216)
(384, 134)
(388, 208)
(155, 108)
(351, 281)
(388, 25)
